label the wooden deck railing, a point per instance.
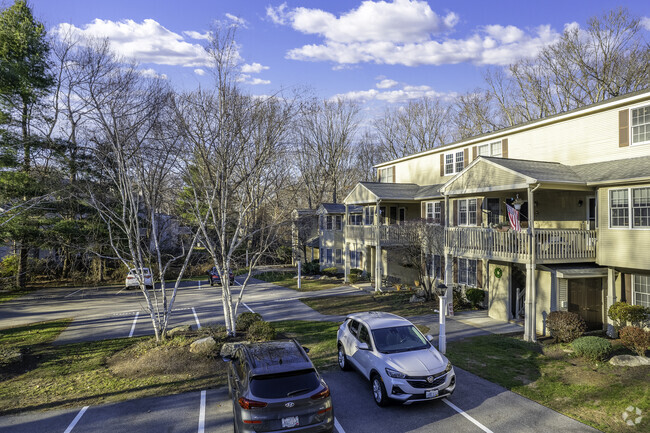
(551, 244)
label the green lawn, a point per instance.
(391, 302)
(594, 393)
(286, 279)
(90, 373)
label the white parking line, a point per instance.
(70, 294)
(76, 419)
(202, 413)
(249, 308)
(460, 411)
(135, 320)
(338, 426)
(196, 318)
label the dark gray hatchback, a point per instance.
(275, 388)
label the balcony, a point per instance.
(389, 235)
(553, 245)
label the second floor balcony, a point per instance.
(551, 245)
(389, 235)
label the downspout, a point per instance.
(377, 249)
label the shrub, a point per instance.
(565, 326)
(475, 296)
(355, 271)
(594, 348)
(246, 319)
(622, 313)
(635, 339)
(261, 331)
(353, 278)
(311, 268)
(330, 272)
(459, 298)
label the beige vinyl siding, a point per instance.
(560, 209)
(482, 172)
(565, 141)
(620, 247)
(360, 195)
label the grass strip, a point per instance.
(390, 302)
(596, 394)
(285, 279)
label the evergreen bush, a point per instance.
(565, 326)
(246, 319)
(594, 348)
(261, 331)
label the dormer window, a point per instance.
(640, 125)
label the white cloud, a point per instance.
(237, 20)
(253, 68)
(277, 14)
(146, 42)
(150, 73)
(406, 93)
(645, 22)
(386, 84)
(199, 72)
(401, 21)
(405, 32)
(196, 35)
(247, 79)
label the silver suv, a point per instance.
(399, 361)
(275, 387)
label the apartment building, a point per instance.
(581, 183)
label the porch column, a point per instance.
(530, 322)
(449, 272)
(377, 250)
(611, 299)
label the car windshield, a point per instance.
(293, 383)
(399, 339)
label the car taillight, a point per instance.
(250, 404)
(323, 394)
(129, 277)
(147, 276)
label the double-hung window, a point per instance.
(338, 222)
(369, 215)
(387, 175)
(434, 212)
(454, 162)
(467, 272)
(339, 256)
(355, 259)
(641, 287)
(328, 257)
(356, 219)
(629, 208)
(640, 125)
(467, 212)
(490, 149)
(329, 222)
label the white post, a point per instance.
(299, 272)
(199, 284)
(246, 257)
(442, 338)
(611, 299)
(377, 250)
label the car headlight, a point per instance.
(448, 368)
(394, 373)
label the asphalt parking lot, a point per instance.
(477, 405)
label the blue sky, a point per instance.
(373, 51)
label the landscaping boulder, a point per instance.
(416, 298)
(629, 360)
(204, 345)
(178, 330)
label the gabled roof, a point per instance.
(337, 208)
(614, 171)
(429, 191)
(539, 171)
(392, 191)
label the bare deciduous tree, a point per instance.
(418, 126)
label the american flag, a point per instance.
(513, 217)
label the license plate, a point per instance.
(289, 422)
(431, 394)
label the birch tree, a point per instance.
(234, 168)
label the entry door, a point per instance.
(393, 214)
(586, 299)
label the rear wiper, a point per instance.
(298, 391)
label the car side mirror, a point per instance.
(306, 349)
(226, 358)
(363, 346)
(429, 337)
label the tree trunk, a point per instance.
(21, 271)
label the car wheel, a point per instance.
(343, 359)
(378, 390)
